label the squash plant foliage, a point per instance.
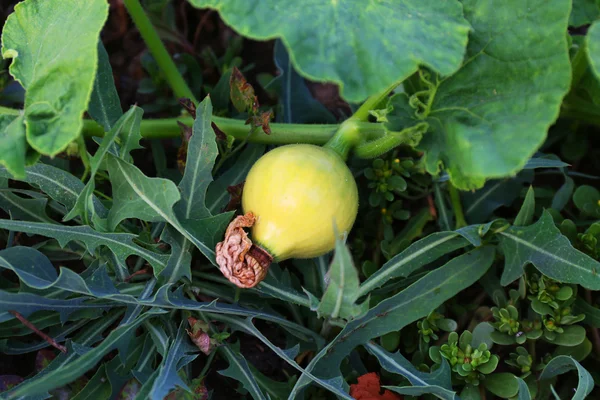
(472, 269)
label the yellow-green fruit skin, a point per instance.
(296, 192)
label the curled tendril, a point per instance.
(240, 261)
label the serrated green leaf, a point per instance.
(542, 245)
(24, 209)
(13, 144)
(177, 357)
(149, 199)
(130, 121)
(121, 244)
(56, 183)
(481, 204)
(562, 364)
(418, 254)
(179, 264)
(392, 314)
(217, 195)
(246, 325)
(105, 106)
(525, 215)
(42, 383)
(58, 89)
(298, 104)
(437, 382)
(201, 154)
(97, 388)
(584, 12)
(473, 135)
(240, 371)
(340, 54)
(339, 299)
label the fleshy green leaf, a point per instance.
(503, 384)
(477, 114)
(524, 393)
(542, 245)
(587, 200)
(562, 364)
(53, 45)
(105, 106)
(350, 39)
(339, 299)
(437, 382)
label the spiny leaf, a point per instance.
(58, 89)
(178, 356)
(508, 48)
(25, 209)
(339, 299)
(201, 154)
(121, 244)
(348, 44)
(240, 371)
(392, 314)
(128, 122)
(542, 245)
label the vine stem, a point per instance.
(280, 133)
(158, 50)
(362, 114)
(457, 206)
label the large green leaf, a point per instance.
(365, 47)
(489, 118)
(593, 47)
(53, 45)
(392, 314)
(13, 145)
(542, 245)
(584, 12)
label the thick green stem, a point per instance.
(346, 137)
(158, 50)
(280, 133)
(362, 114)
(457, 206)
(410, 136)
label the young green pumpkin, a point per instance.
(296, 198)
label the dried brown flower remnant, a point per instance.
(199, 335)
(240, 261)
